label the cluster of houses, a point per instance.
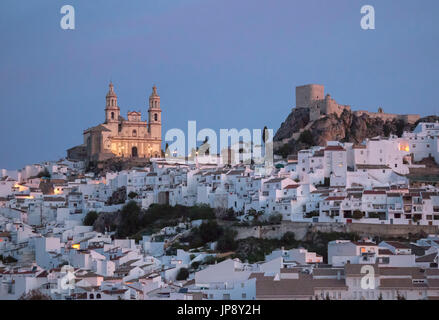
(44, 245)
(80, 264)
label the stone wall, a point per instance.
(300, 229)
(408, 118)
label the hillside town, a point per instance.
(58, 239)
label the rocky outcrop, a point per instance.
(298, 132)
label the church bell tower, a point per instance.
(155, 115)
(112, 110)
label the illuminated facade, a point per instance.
(122, 137)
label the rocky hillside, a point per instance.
(298, 132)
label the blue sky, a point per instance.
(223, 63)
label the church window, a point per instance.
(134, 133)
(112, 115)
(155, 117)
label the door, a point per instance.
(134, 152)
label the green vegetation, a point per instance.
(207, 232)
(183, 274)
(306, 137)
(34, 295)
(44, 174)
(8, 259)
(227, 241)
(90, 218)
(357, 215)
(135, 222)
(132, 195)
(374, 215)
(275, 218)
(285, 150)
(400, 124)
(254, 250)
(312, 214)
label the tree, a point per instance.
(227, 241)
(288, 238)
(275, 218)
(210, 231)
(264, 134)
(285, 150)
(132, 195)
(90, 218)
(195, 265)
(357, 215)
(43, 174)
(9, 259)
(183, 274)
(400, 124)
(230, 215)
(306, 137)
(130, 219)
(34, 295)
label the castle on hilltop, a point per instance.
(312, 97)
(120, 137)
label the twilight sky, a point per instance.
(223, 63)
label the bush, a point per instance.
(289, 238)
(9, 259)
(306, 137)
(34, 295)
(130, 220)
(183, 274)
(275, 218)
(90, 218)
(230, 215)
(43, 174)
(132, 195)
(227, 241)
(284, 151)
(195, 265)
(357, 215)
(207, 232)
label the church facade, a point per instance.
(129, 138)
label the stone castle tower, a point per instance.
(312, 97)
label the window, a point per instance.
(244, 296)
(134, 133)
(155, 117)
(112, 115)
(98, 296)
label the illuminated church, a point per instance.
(130, 137)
